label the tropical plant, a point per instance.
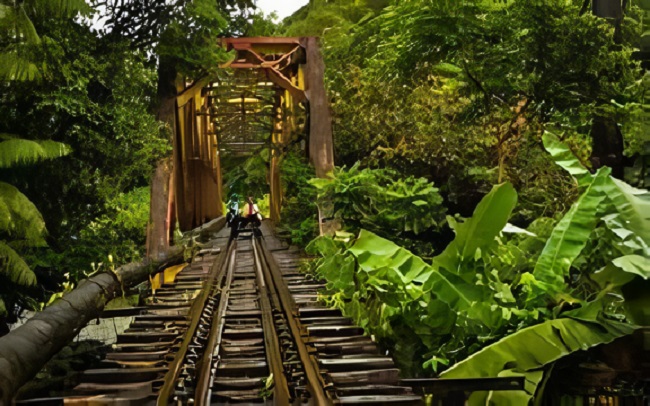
(21, 47)
(381, 201)
(299, 212)
(461, 93)
(21, 224)
(496, 287)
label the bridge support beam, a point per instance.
(197, 170)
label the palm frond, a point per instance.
(19, 218)
(58, 8)
(15, 67)
(14, 268)
(19, 151)
(15, 20)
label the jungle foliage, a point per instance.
(496, 288)
(461, 92)
(91, 94)
(407, 210)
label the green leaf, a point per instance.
(14, 66)
(21, 152)
(633, 206)
(19, 218)
(59, 8)
(532, 348)
(611, 278)
(374, 252)
(14, 268)
(447, 68)
(338, 270)
(564, 157)
(635, 264)
(323, 246)
(378, 256)
(571, 234)
(489, 218)
(3, 308)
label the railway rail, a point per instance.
(241, 325)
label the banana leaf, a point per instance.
(563, 156)
(380, 258)
(632, 205)
(571, 234)
(610, 277)
(489, 218)
(529, 350)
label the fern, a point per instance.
(14, 268)
(19, 218)
(18, 151)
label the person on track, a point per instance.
(233, 210)
(252, 213)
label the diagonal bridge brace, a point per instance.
(251, 52)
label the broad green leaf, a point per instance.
(374, 252)
(510, 397)
(635, 264)
(611, 277)
(338, 270)
(378, 256)
(20, 151)
(19, 218)
(489, 218)
(323, 246)
(563, 156)
(633, 206)
(571, 234)
(14, 268)
(532, 348)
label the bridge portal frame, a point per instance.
(296, 66)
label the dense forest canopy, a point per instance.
(492, 158)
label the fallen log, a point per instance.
(24, 351)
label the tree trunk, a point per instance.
(24, 351)
(158, 230)
(321, 144)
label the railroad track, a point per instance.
(243, 325)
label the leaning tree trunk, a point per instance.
(24, 351)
